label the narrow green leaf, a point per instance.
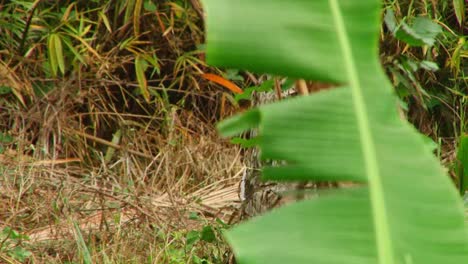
(83, 249)
(59, 52)
(110, 150)
(459, 7)
(129, 8)
(71, 48)
(239, 123)
(140, 68)
(52, 54)
(429, 65)
(105, 20)
(245, 143)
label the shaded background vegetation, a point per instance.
(107, 146)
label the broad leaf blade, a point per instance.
(462, 158)
(353, 133)
(333, 242)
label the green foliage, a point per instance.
(433, 100)
(266, 86)
(5, 90)
(462, 158)
(102, 39)
(459, 7)
(351, 133)
(82, 247)
(56, 59)
(200, 244)
(103, 77)
(5, 139)
(10, 243)
(422, 32)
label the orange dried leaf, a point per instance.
(222, 81)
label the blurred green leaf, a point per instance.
(459, 7)
(194, 216)
(423, 31)
(53, 63)
(350, 133)
(5, 138)
(5, 90)
(462, 158)
(192, 237)
(429, 65)
(19, 253)
(82, 247)
(149, 6)
(56, 58)
(233, 75)
(266, 86)
(245, 143)
(208, 234)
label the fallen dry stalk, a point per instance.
(107, 143)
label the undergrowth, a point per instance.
(431, 80)
(107, 148)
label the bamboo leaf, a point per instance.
(59, 53)
(136, 17)
(52, 55)
(105, 20)
(140, 68)
(459, 7)
(82, 248)
(55, 50)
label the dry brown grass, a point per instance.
(91, 158)
(130, 195)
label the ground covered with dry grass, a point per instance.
(108, 150)
(137, 205)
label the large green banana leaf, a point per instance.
(407, 210)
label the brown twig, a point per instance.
(197, 7)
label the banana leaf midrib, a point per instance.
(376, 190)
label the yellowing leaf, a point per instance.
(52, 55)
(459, 7)
(105, 20)
(136, 17)
(55, 49)
(59, 53)
(140, 67)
